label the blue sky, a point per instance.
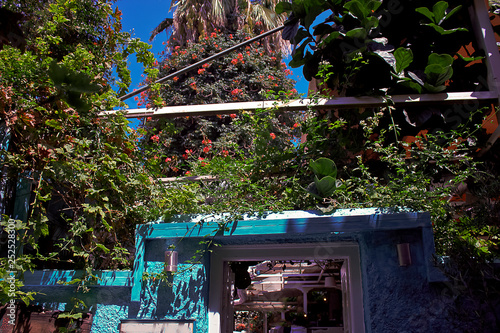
(140, 18)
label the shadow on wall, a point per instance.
(182, 300)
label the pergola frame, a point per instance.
(484, 35)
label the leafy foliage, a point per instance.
(88, 187)
(364, 40)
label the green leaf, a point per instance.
(357, 9)
(358, 33)
(298, 58)
(102, 247)
(44, 227)
(323, 167)
(443, 60)
(323, 29)
(310, 66)
(326, 185)
(437, 75)
(426, 12)
(81, 82)
(53, 123)
(301, 34)
(71, 80)
(439, 11)
(404, 58)
(433, 88)
(370, 23)
(283, 7)
(469, 59)
(439, 15)
(412, 85)
(57, 74)
(442, 31)
(373, 5)
(325, 41)
(313, 9)
(453, 11)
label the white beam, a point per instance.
(190, 179)
(303, 104)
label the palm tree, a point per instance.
(193, 19)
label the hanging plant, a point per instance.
(325, 174)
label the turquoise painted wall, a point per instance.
(414, 298)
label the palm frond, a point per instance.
(165, 24)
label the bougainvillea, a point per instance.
(248, 74)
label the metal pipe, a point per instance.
(202, 62)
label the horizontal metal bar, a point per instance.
(303, 104)
(190, 179)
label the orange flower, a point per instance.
(272, 135)
(236, 92)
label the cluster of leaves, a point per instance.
(88, 187)
(379, 47)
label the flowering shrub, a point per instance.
(250, 74)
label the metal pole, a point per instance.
(201, 62)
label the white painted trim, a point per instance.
(347, 251)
